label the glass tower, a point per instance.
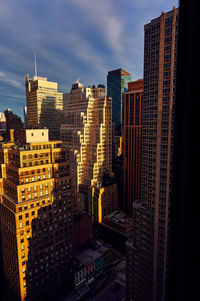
(117, 85)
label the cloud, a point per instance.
(104, 18)
(72, 38)
(9, 79)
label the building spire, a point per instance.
(35, 65)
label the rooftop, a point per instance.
(91, 252)
(118, 222)
(120, 71)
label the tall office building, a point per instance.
(117, 85)
(87, 133)
(132, 134)
(37, 202)
(148, 252)
(44, 105)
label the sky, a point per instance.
(72, 39)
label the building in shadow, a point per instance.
(132, 139)
(148, 253)
(12, 122)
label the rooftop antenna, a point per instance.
(78, 79)
(35, 65)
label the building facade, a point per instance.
(147, 274)
(82, 229)
(91, 261)
(117, 85)
(44, 105)
(2, 121)
(132, 134)
(12, 122)
(87, 134)
(38, 200)
(25, 117)
(116, 227)
(103, 199)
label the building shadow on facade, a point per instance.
(49, 273)
(51, 118)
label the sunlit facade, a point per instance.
(38, 200)
(87, 134)
(44, 105)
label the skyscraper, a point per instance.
(37, 202)
(132, 134)
(147, 253)
(87, 133)
(117, 85)
(44, 105)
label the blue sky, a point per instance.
(73, 39)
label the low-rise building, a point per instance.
(90, 261)
(116, 227)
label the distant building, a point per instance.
(103, 199)
(66, 98)
(117, 165)
(87, 134)
(117, 85)
(12, 122)
(2, 126)
(132, 136)
(2, 121)
(37, 203)
(25, 117)
(44, 105)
